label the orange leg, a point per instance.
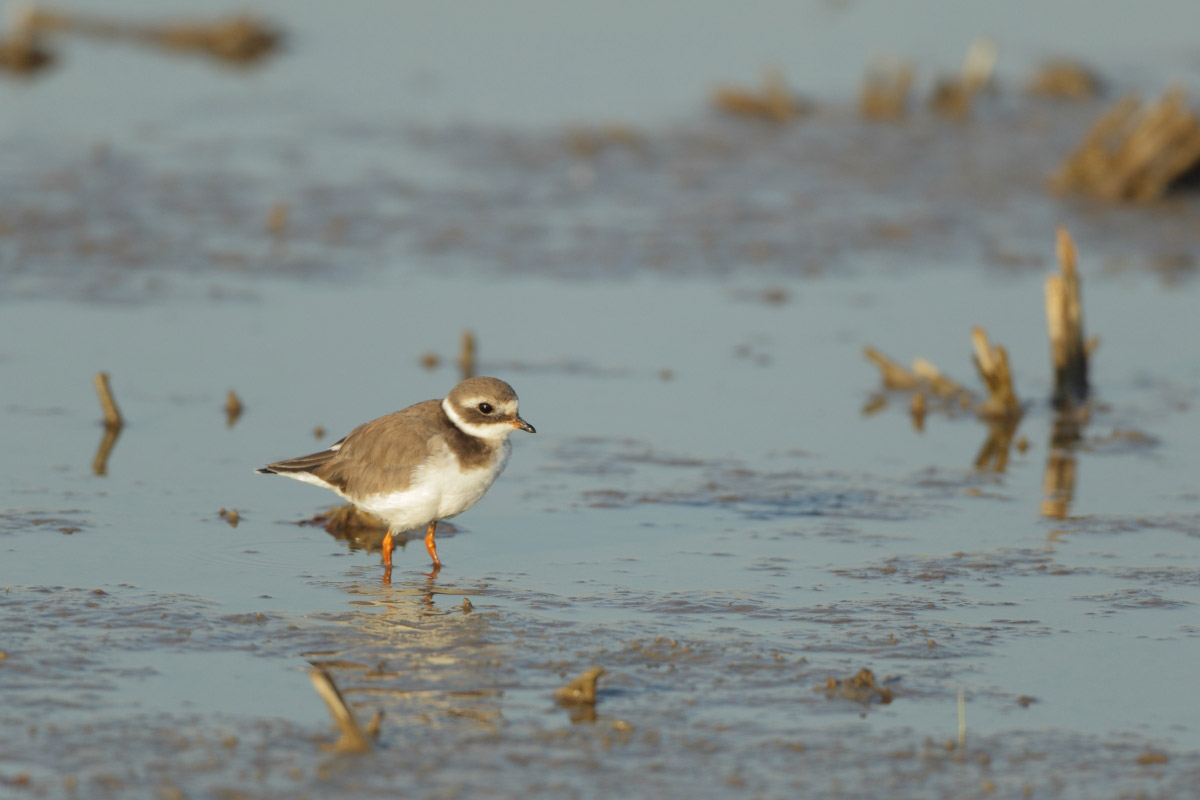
(431, 547)
(388, 547)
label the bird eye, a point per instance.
(486, 408)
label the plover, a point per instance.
(425, 463)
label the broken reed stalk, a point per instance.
(952, 97)
(353, 739)
(943, 386)
(112, 415)
(1134, 151)
(894, 376)
(992, 363)
(466, 356)
(922, 377)
(1061, 79)
(237, 39)
(979, 66)
(21, 49)
(775, 102)
(233, 408)
(1064, 319)
(885, 90)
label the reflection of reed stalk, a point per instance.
(962, 720)
(993, 454)
(1058, 483)
(353, 739)
(100, 462)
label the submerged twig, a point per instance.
(1064, 318)
(353, 739)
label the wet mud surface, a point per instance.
(788, 595)
(710, 198)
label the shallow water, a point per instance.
(706, 511)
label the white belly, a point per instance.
(439, 490)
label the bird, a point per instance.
(422, 464)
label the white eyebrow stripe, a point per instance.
(499, 429)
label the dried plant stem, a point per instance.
(582, 690)
(894, 375)
(233, 408)
(944, 387)
(885, 90)
(1134, 151)
(1064, 320)
(112, 415)
(237, 38)
(775, 102)
(466, 356)
(992, 363)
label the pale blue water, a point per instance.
(702, 472)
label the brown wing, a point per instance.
(308, 463)
(381, 455)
